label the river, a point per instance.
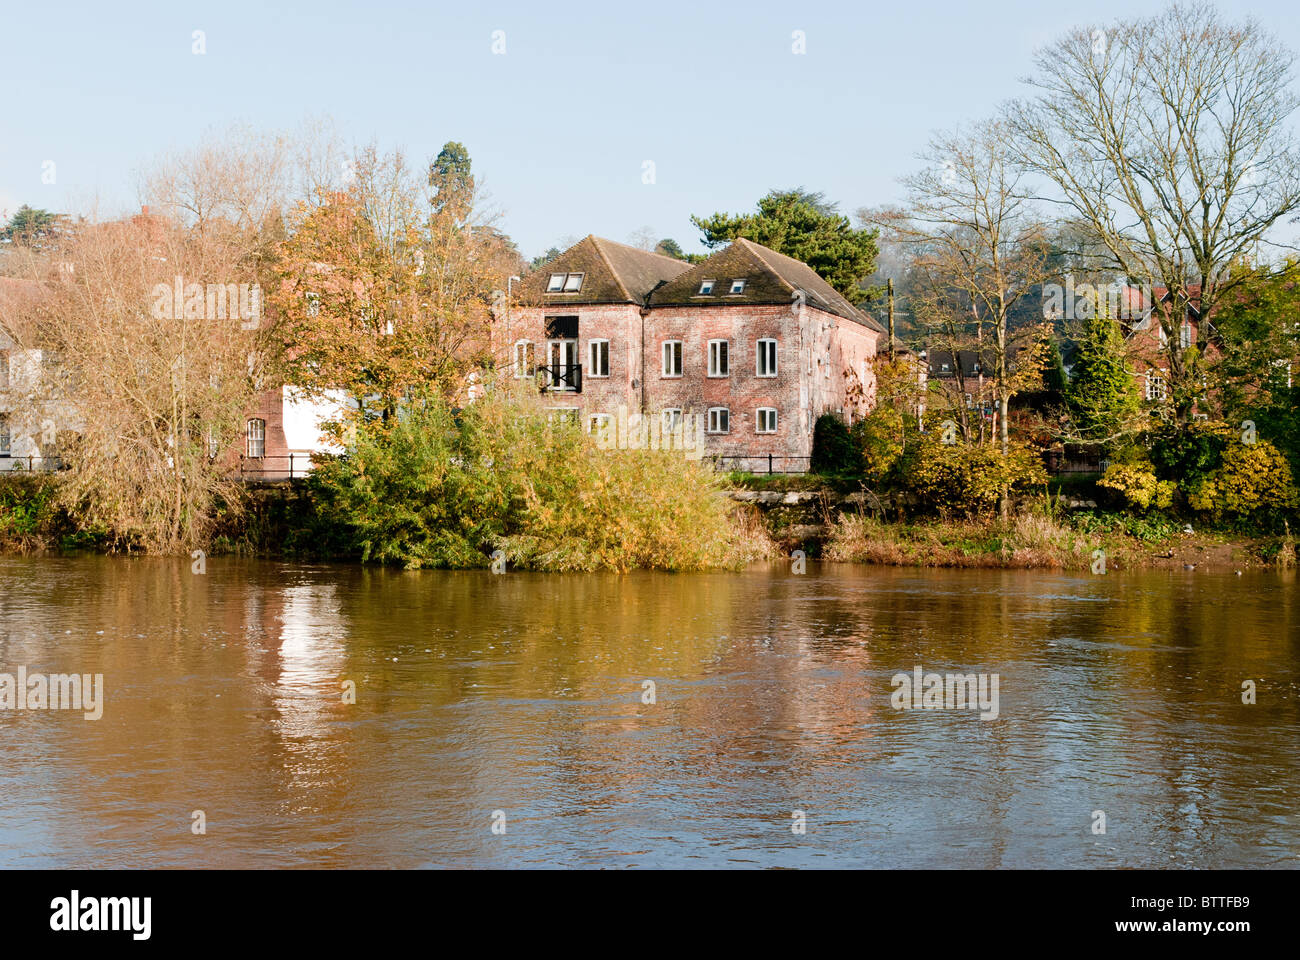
(502, 720)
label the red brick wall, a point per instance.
(823, 365)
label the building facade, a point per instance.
(748, 347)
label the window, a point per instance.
(4, 436)
(1155, 385)
(719, 420)
(256, 438)
(672, 358)
(671, 419)
(766, 421)
(564, 283)
(1185, 335)
(523, 359)
(737, 286)
(599, 423)
(706, 287)
(598, 358)
(766, 363)
(718, 358)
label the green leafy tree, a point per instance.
(670, 248)
(806, 227)
(31, 227)
(1102, 396)
(450, 176)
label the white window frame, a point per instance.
(669, 419)
(569, 285)
(593, 368)
(6, 437)
(718, 417)
(255, 438)
(759, 417)
(759, 357)
(719, 359)
(706, 288)
(524, 352)
(668, 354)
(737, 286)
(555, 283)
(1156, 386)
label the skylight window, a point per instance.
(706, 287)
(737, 286)
(564, 283)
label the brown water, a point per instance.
(522, 694)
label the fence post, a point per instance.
(291, 466)
(769, 464)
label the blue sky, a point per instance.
(559, 126)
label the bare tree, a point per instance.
(1167, 138)
(979, 248)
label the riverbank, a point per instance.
(829, 522)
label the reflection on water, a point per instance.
(523, 693)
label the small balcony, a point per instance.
(560, 378)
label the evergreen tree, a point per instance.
(1102, 396)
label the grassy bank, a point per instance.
(1030, 541)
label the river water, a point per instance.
(517, 702)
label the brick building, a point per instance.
(750, 344)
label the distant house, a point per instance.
(1149, 343)
(750, 344)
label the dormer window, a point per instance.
(564, 283)
(737, 286)
(706, 288)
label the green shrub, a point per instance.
(1137, 488)
(1251, 477)
(878, 441)
(447, 489)
(832, 449)
(965, 479)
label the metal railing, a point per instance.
(560, 378)
(759, 462)
(289, 467)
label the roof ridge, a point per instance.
(755, 250)
(652, 253)
(595, 242)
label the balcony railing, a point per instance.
(560, 378)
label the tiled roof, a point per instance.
(612, 273)
(770, 278)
